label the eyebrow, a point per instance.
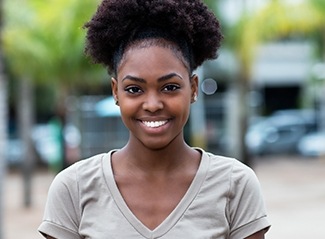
(160, 79)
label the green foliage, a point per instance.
(44, 40)
(211, 4)
(278, 20)
(319, 5)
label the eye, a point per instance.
(171, 87)
(133, 90)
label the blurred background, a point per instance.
(262, 101)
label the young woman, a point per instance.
(156, 186)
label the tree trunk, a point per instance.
(26, 122)
(243, 120)
(322, 99)
(3, 129)
(3, 139)
(62, 116)
(237, 121)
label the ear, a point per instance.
(114, 86)
(194, 87)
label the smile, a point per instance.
(154, 124)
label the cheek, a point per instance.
(127, 107)
(127, 113)
(181, 106)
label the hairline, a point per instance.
(154, 41)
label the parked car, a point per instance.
(280, 133)
(312, 145)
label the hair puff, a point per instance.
(117, 20)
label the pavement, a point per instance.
(19, 221)
(294, 192)
(293, 188)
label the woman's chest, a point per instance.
(153, 200)
(106, 217)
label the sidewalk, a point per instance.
(294, 191)
(23, 222)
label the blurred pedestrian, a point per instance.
(156, 186)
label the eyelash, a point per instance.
(137, 90)
(175, 87)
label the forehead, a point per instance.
(154, 58)
(153, 42)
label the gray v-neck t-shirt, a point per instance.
(223, 201)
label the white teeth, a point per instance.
(154, 124)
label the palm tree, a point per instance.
(19, 53)
(63, 36)
(3, 127)
(44, 45)
(277, 20)
(3, 135)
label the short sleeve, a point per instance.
(247, 213)
(62, 212)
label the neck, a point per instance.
(167, 159)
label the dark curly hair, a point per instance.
(118, 23)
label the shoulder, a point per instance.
(227, 164)
(241, 179)
(82, 166)
(245, 208)
(79, 171)
(230, 171)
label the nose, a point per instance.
(153, 103)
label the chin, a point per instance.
(156, 146)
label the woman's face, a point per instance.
(154, 91)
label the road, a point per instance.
(293, 188)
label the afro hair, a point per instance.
(117, 21)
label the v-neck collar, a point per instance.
(174, 216)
